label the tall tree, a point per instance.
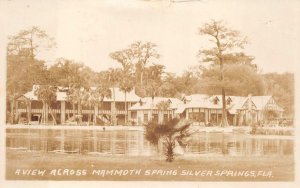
(169, 87)
(21, 75)
(239, 80)
(281, 86)
(225, 42)
(29, 42)
(76, 94)
(187, 83)
(154, 72)
(90, 99)
(143, 52)
(125, 58)
(114, 77)
(23, 69)
(126, 85)
(77, 78)
(103, 91)
(47, 94)
(152, 90)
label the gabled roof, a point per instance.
(196, 101)
(260, 101)
(195, 97)
(180, 108)
(61, 95)
(219, 97)
(201, 104)
(212, 105)
(120, 96)
(148, 104)
(31, 96)
(236, 104)
(205, 101)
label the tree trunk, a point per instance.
(80, 111)
(114, 108)
(51, 113)
(142, 75)
(28, 105)
(12, 106)
(31, 46)
(224, 122)
(152, 106)
(16, 114)
(43, 119)
(101, 110)
(126, 110)
(73, 109)
(89, 118)
(45, 113)
(95, 114)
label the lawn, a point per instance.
(124, 168)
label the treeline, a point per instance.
(139, 70)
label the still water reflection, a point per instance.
(133, 143)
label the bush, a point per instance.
(169, 132)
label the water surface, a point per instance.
(133, 143)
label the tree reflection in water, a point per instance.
(133, 143)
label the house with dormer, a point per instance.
(158, 109)
(199, 108)
(206, 109)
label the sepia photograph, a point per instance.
(149, 91)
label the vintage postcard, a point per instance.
(149, 92)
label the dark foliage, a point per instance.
(175, 130)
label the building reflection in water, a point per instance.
(133, 143)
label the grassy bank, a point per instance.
(186, 168)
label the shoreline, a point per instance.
(78, 127)
(227, 130)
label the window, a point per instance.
(120, 105)
(145, 118)
(228, 101)
(141, 102)
(166, 117)
(216, 101)
(106, 106)
(133, 114)
(155, 118)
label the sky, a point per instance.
(87, 31)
